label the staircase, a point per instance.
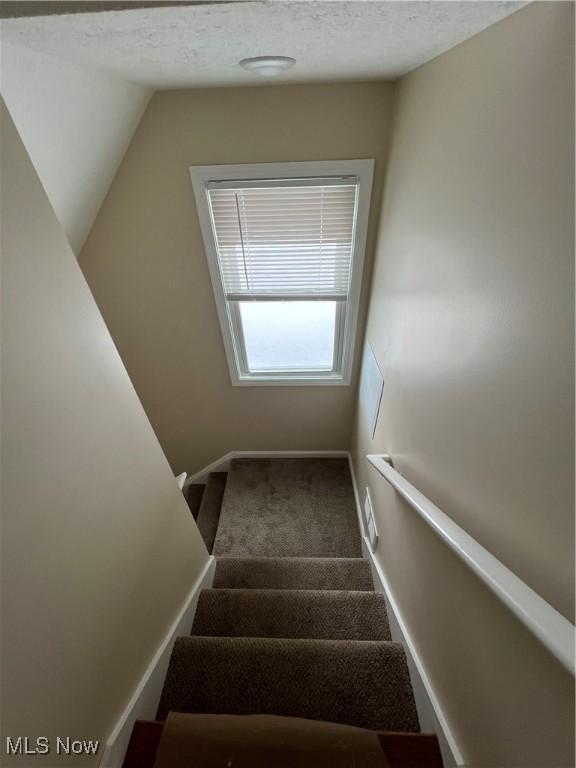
(302, 634)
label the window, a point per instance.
(285, 247)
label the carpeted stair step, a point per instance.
(293, 573)
(297, 507)
(319, 614)
(402, 750)
(362, 683)
(193, 495)
(210, 506)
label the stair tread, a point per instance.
(332, 573)
(210, 507)
(356, 682)
(320, 614)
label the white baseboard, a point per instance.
(223, 463)
(430, 713)
(144, 700)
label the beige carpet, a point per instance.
(296, 613)
(293, 573)
(288, 508)
(292, 626)
(355, 682)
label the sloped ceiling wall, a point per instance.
(76, 124)
(145, 263)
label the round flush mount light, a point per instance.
(268, 66)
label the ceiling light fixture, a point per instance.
(268, 66)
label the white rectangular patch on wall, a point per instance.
(371, 388)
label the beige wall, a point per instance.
(99, 549)
(471, 319)
(76, 124)
(145, 262)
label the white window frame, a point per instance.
(229, 313)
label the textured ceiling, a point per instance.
(195, 46)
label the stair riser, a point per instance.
(293, 573)
(193, 495)
(210, 508)
(292, 614)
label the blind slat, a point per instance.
(282, 241)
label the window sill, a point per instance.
(291, 381)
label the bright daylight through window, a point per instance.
(285, 246)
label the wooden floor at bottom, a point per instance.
(402, 750)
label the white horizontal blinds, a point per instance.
(285, 240)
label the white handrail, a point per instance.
(545, 622)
